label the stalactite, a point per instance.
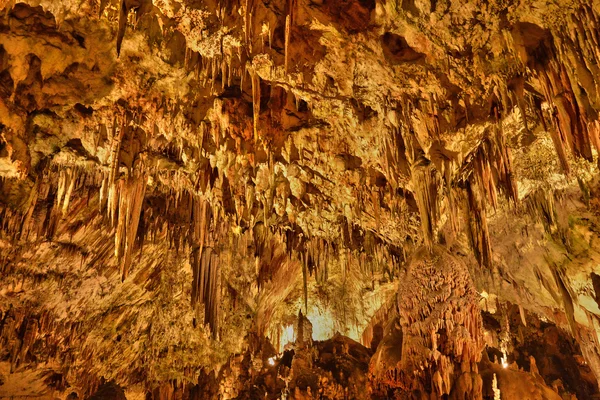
(123, 14)
(567, 300)
(229, 71)
(67, 178)
(541, 206)
(453, 210)
(255, 101)
(305, 281)
(243, 72)
(214, 73)
(110, 186)
(502, 163)
(131, 195)
(247, 23)
(223, 73)
(291, 7)
(376, 206)
(476, 221)
(270, 36)
(71, 176)
(140, 6)
(62, 183)
(396, 164)
(287, 43)
(426, 181)
(32, 201)
(484, 175)
(211, 300)
(205, 264)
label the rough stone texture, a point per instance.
(441, 328)
(178, 179)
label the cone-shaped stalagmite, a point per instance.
(440, 327)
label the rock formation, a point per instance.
(299, 199)
(441, 330)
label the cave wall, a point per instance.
(178, 179)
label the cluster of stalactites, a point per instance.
(438, 186)
(192, 224)
(562, 64)
(205, 265)
(573, 132)
(566, 65)
(209, 70)
(317, 258)
(122, 194)
(490, 171)
(21, 334)
(375, 259)
(49, 200)
(131, 197)
(562, 70)
(123, 197)
(427, 183)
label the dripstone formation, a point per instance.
(299, 199)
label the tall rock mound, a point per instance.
(441, 327)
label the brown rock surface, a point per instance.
(179, 179)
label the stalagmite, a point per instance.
(441, 328)
(497, 394)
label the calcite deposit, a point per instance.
(300, 199)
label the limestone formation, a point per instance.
(299, 199)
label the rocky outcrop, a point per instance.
(440, 328)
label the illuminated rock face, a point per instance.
(441, 326)
(179, 179)
(439, 334)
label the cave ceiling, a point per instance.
(180, 178)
